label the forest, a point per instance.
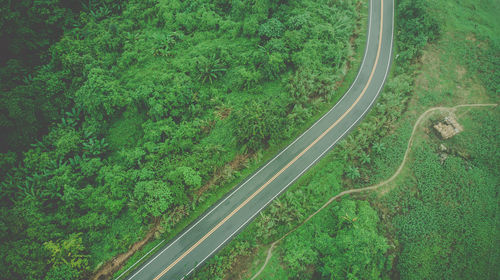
(116, 115)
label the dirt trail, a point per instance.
(423, 116)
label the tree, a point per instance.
(342, 242)
(156, 196)
(378, 147)
(255, 124)
(352, 172)
(209, 69)
(272, 28)
(125, 112)
(62, 272)
(100, 95)
(419, 27)
(365, 158)
(357, 251)
(68, 252)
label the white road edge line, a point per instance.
(319, 157)
(141, 258)
(263, 167)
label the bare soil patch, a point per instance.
(112, 266)
(236, 164)
(239, 268)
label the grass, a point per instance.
(273, 270)
(444, 210)
(443, 78)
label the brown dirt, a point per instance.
(223, 112)
(112, 266)
(236, 164)
(239, 267)
(461, 71)
(471, 37)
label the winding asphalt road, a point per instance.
(230, 215)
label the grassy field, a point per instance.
(442, 212)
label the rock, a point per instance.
(448, 128)
(443, 148)
(453, 122)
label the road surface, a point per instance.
(230, 215)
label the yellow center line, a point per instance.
(290, 163)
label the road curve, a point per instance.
(231, 214)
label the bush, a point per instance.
(255, 124)
(272, 28)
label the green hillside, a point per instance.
(119, 115)
(126, 119)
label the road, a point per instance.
(231, 214)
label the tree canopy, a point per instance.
(117, 113)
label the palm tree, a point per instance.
(209, 69)
(365, 158)
(378, 148)
(352, 172)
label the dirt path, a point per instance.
(422, 117)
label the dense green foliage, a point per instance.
(137, 105)
(341, 243)
(329, 245)
(116, 115)
(360, 147)
(32, 88)
(435, 232)
(418, 27)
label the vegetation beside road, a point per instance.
(119, 114)
(433, 216)
(129, 110)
